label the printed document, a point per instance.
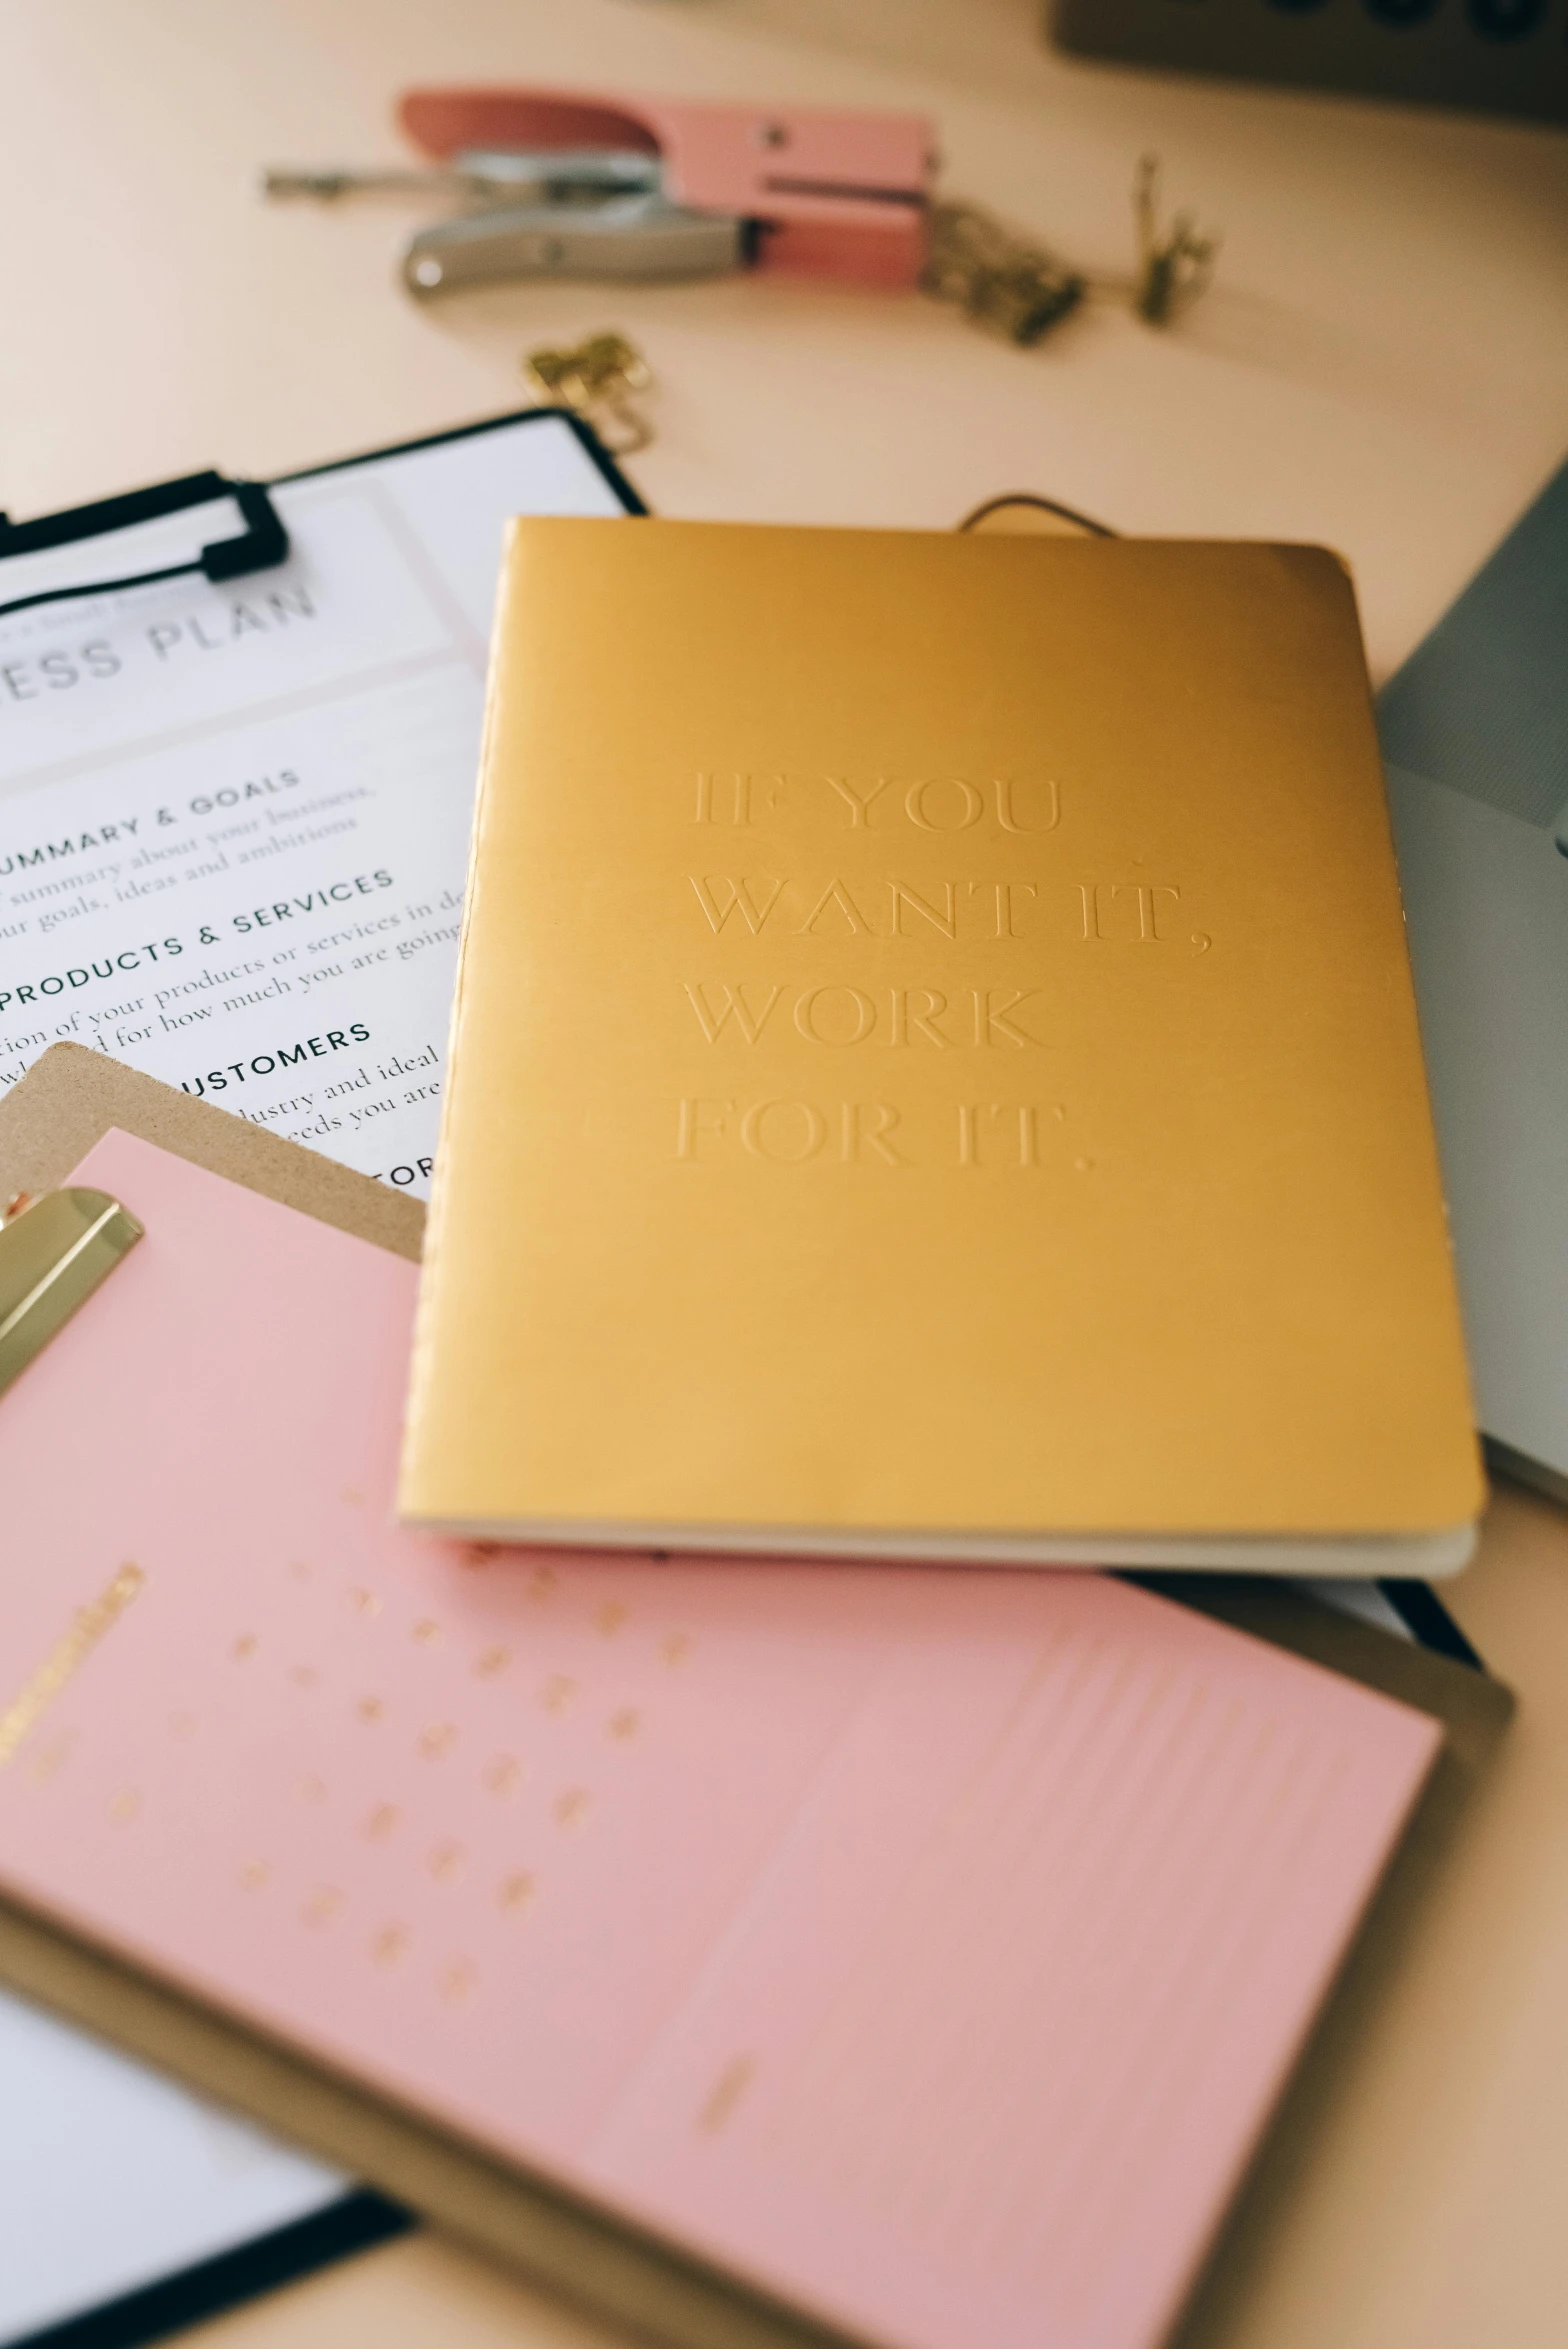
(234, 818)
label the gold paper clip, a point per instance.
(597, 380)
(53, 1254)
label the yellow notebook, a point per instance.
(934, 1067)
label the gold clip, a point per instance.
(597, 381)
(53, 1255)
(1014, 288)
(1175, 264)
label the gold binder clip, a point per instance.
(597, 380)
(1004, 282)
(53, 1254)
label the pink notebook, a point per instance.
(927, 1949)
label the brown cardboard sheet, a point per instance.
(72, 1096)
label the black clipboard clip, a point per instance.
(261, 545)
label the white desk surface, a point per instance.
(1382, 365)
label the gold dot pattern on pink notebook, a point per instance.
(928, 1947)
(488, 1864)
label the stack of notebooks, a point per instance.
(935, 1107)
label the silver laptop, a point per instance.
(1475, 735)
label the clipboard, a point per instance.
(66, 1104)
(49, 1121)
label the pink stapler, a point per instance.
(567, 185)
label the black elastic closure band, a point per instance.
(259, 547)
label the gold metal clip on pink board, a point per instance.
(53, 1254)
